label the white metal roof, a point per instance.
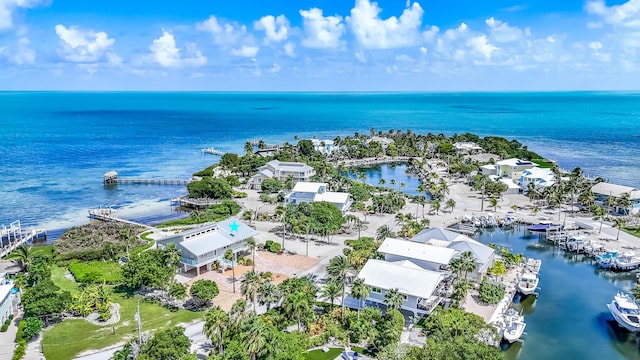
(333, 197)
(308, 187)
(604, 188)
(515, 162)
(202, 240)
(5, 290)
(408, 280)
(288, 166)
(417, 251)
(426, 235)
(480, 251)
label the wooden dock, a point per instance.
(14, 236)
(212, 151)
(109, 214)
(111, 177)
(194, 203)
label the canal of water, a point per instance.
(395, 171)
(569, 319)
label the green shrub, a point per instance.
(491, 293)
(272, 246)
(28, 329)
(20, 350)
(96, 272)
(104, 311)
(6, 324)
(248, 262)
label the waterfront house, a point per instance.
(541, 178)
(426, 256)
(438, 237)
(6, 299)
(206, 245)
(422, 289)
(467, 148)
(603, 191)
(509, 168)
(384, 142)
(281, 170)
(308, 192)
(325, 147)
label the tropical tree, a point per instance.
(249, 287)
(394, 299)
(332, 290)
(360, 291)
(493, 202)
(451, 204)
(254, 336)
(248, 148)
(251, 246)
(384, 232)
(215, 323)
(600, 213)
(297, 305)
(435, 205)
(339, 270)
(268, 294)
(231, 256)
(464, 264)
(624, 201)
(128, 238)
(620, 224)
(23, 255)
(204, 290)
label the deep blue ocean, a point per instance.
(55, 146)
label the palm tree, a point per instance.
(619, 223)
(451, 204)
(251, 245)
(247, 216)
(394, 299)
(297, 305)
(393, 184)
(464, 264)
(624, 201)
(360, 291)
(435, 205)
(339, 269)
(231, 256)
(381, 182)
(600, 213)
(127, 238)
(23, 254)
(254, 336)
(493, 202)
(215, 322)
(249, 287)
(332, 290)
(268, 294)
(384, 232)
(248, 148)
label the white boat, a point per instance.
(627, 261)
(514, 325)
(625, 310)
(528, 283)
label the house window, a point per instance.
(376, 290)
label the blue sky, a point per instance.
(327, 45)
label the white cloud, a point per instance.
(275, 69)
(372, 32)
(423, 50)
(501, 32)
(8, 7)
(290, 49)
(24, 55)
(595, 45)
(430, 34)
(480, 46)
(85, 46)
(322, 32)
(275, 28)
(360, 56)
(246, 51)
(165, 52)
(224, 33)
(626, 14)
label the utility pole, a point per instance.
(139, 321)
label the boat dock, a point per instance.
(188, 202)
(212, 151)
(111, 177)
(14, 236)
(109, 214)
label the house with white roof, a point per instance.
(206, 245)
(467, 148)
(384, 142)
(308, 192)
(281, 170)
(603, 191)
(325, 147)
(508, 168)
(426, 256)
(421, 288)
(541, 178)
(451, 240)
(6, 300)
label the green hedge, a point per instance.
(6, 324)
(96, 272)
(272, 246)
(20, 350)
(491, 293)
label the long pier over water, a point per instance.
(109, 214)
(111, 177)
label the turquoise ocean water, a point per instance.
(55, 147)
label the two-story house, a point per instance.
(281, 170)
(308, 192)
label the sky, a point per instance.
(320, 45)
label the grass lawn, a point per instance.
(329, 355)
(96, 272)
(632, 231)
(71, 337)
